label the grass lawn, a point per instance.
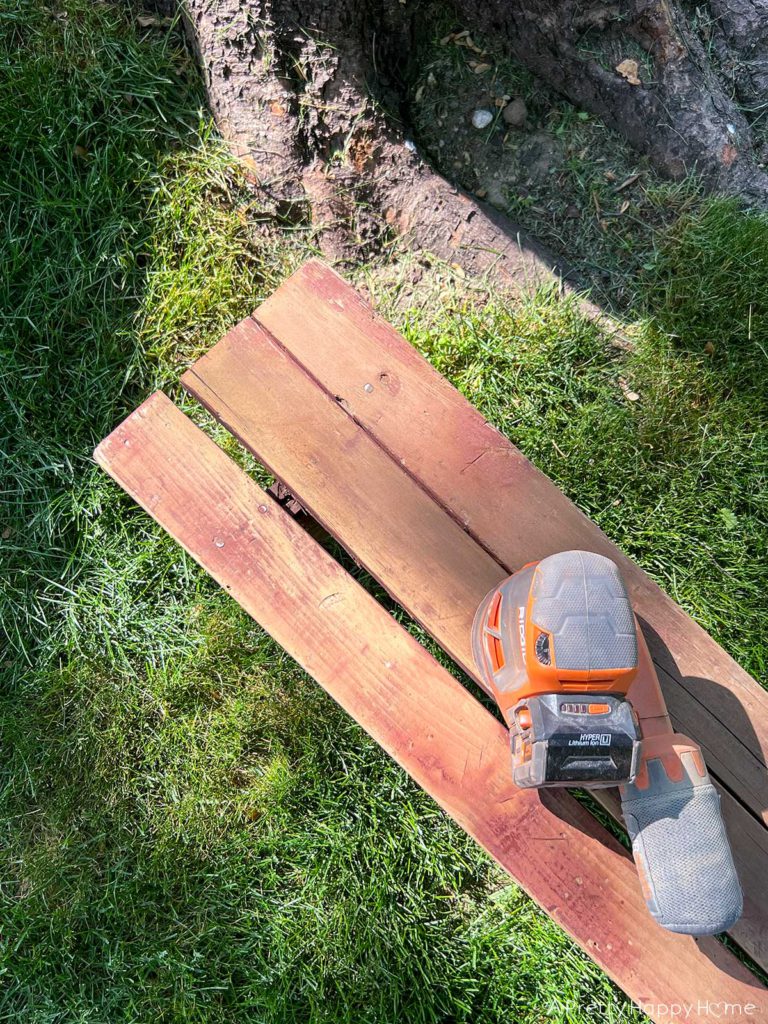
(191, 830)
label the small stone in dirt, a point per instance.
(481, 119)
(515, 113)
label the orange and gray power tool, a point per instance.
(558, 648)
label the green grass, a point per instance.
(678, 477)
(191, 830)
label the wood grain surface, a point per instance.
(418, 552)
(347, 481)
(416, 710)
(510, 507)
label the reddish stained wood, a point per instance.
(513, 510)
(396, 530)
(249, 383)
(415, 709)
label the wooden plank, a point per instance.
(418, 552)
(511, 508)
(249, 383)
(415, 709)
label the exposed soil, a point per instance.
(318, 99)
(558, 172)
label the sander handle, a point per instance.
(679, 842)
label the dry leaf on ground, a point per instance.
(629, 69)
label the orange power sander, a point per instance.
(558, 648)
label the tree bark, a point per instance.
(679, 113)
(298, 88)
(290, 87)
(740, 30)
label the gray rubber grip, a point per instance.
(682, 852)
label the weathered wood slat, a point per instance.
(249, 383)
(410, 705)
(416, 550)
(514, 510)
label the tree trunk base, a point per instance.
(297, 87)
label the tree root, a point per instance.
(295, 86)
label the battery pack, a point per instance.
(574, 740)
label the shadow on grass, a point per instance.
(191, 829)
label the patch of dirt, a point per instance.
(417, 281)
(556, 171)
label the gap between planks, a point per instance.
(413, 707)
(476, 475)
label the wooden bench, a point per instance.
(438, 506)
